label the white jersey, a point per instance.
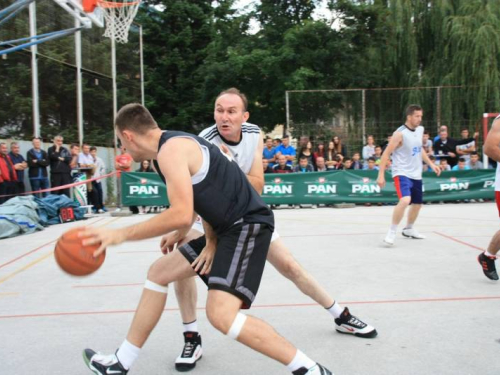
(497, 176)
(242, 152)
(407, 159)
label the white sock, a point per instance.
(300, 360)
(489, 254)
(336, 310)
(190, 327)
(394, 227)
(409, 226)
(127, 354)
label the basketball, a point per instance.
(73, 257)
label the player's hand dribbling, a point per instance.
(105, 237)
(203, 263)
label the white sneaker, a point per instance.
(101, 211)
(118, 210)
(413, 233)
(390, 237)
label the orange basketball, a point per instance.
(73, 257)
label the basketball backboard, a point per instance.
(75, 8)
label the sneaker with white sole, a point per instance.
(347, 323)
(191, 353)
(390, 237)
(413, 233)
(317, 369)
(103, 364)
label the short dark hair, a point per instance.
(464, 130)
(93, 148)
(303, 158)
(426, 132)
(461, 160)
(474, 153)
(285, 136)
(378, 146)
(443, 159)
(235, 91)
(135, 117)
(73, 145)
(40, 139)
(371, 159)
(412, 108)
(347, 159)
(432, 157)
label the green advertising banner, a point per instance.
(143, 189)
(147, 189)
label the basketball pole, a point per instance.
(79, 88)
(34, 72)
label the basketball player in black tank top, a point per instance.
(238, 230)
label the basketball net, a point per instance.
(119, 16)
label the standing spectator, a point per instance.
(19, 165)
(369, 148)
(464, 151)
(60, 170)
(123, 163)
(276, 142)
(356, 162)
(474, 163)
(100, 170)
(306, 152)
(303, 165)
(446, 147)
(330, 159)
(461, 166)
(427, 144)
(269, 152)
(320, 164)
(85, 159)
(287, 150)
(320, 151)
(443, 164)
(282, 166)
(74, 150)
(441, 128)
(8, 176)
(340, 148)
(266, 167)
(38, 161)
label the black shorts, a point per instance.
(239, 260)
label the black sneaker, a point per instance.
(191, 352)
(348, 323)
(488, 264)
(317, 369)
(103, 364)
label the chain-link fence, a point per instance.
(353, 114)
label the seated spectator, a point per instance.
(386, 142)
(441, 128)
(85, 159)
(378, 154)
(446, 146)
(338, 166)
(286, 150)
(282, 166)
(266, 167)
(347, 164)
(269, 152)
(461, 166)
(474, 162)
(339, 147)
(427, 144)
(330, 159)
(307, 152)
(369, 148)
(427, 168)
(356, 162)
(19, 165)
(320, 164)
(443, 164)
(276, 142)
(464, 151)
(371, 166)
(320, 151)
(8, 176)
(303, 166)
(38, 161)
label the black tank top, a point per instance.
(224, 196)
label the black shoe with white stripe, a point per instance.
(348, 323)
(103, 364)
(317, 369)
(191, 352)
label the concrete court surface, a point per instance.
(434, 310)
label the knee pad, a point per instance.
(237, 326)
(155, 287)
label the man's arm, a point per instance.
(396, 141)
(256, 174)
(492, 142)
(429, 162)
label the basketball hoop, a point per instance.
(119, 16)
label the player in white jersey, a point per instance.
(243, 142)
(406, 149)
(492, 149)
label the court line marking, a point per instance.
(459, 241)
(106, 285)
(418, 300)
(38, 248)
(140, 251)
(8, 294)
(46, 256)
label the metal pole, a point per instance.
(363, 114)
(287, 125)
(34, 73)
(113, 75)
(438, 109)
(142, 64)
(79, 87)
